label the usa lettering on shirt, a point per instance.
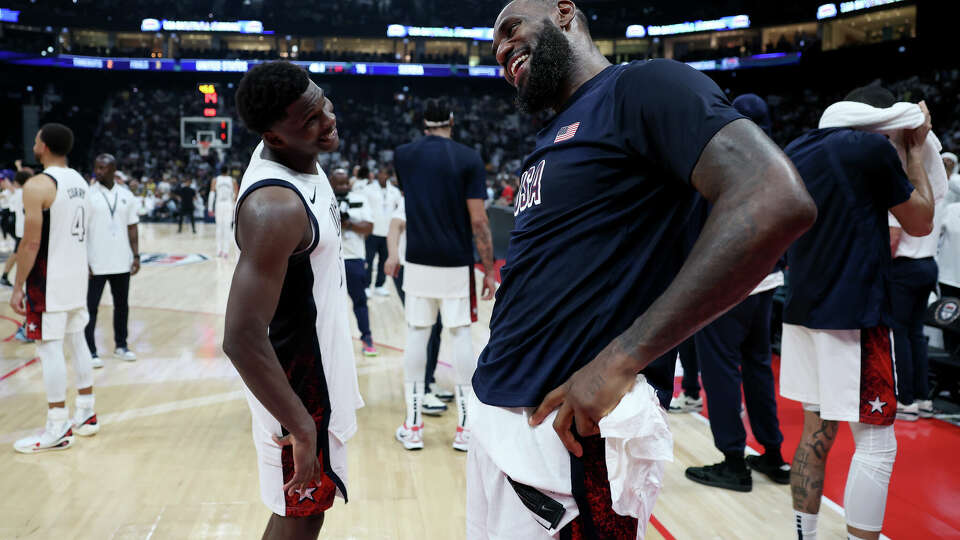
(529, 195)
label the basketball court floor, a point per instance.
(174, 457)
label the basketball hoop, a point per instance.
(204, 148)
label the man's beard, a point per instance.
(549, 65)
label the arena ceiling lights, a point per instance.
(167, 25)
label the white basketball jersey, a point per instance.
(314, 288)
(224, 190)
(58, 281)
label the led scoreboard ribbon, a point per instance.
(336, 68)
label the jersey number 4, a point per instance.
(79, 225)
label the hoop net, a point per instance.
(204, 148)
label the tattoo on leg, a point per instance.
(823, 439)
(809, 466)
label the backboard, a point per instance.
(217, 129)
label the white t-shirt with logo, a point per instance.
(111, 212)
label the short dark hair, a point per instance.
(266, 91)
(363, 171)
(436, 110)
(874, 95)
(58, 138)
(22, 176)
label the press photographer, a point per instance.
(356, 223)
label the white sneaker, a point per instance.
(412, 438)
(684, 403)
(58, 435)
(926, 408)
(96, 362)
(441, 393)
(433, 406)
(382, 291)
(369, 292)
(125, 354)
(909, 413)
(85, 422)
(461, 441)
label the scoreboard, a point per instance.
(209, 99)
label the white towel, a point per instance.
(899, 117)
(638, 441)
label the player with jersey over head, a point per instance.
(287, 328)
(223, 195)
(52, 264)
(597, 284)
(444, 186)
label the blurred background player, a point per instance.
(382, 197)
(221, 200)
(444, 185)
(837, 354)
(434, 395)
(113, 253)
(287, 327)
(913, 276)
(16, 210)
(185, 195)
(734, 355)
(356, 223)
(16, 207)
(53, 268)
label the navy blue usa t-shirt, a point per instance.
(437, 176)
(838, 268)
(601, 218)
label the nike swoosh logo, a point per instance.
(314, 198)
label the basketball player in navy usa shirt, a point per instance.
(595, 285)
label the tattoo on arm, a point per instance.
(484, 240)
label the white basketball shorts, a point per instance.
(846, 375)
(47, 326)
(275, 465)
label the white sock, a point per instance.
(57, 415)
(851, 536)
(806, 525)
(462, 393)
(85, 402)
(413, 394)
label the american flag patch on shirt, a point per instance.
(567, 132)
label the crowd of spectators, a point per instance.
(141, 127)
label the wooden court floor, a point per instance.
(174, 457)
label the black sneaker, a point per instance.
(5, 282)
(721, 475)
(778, 472)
